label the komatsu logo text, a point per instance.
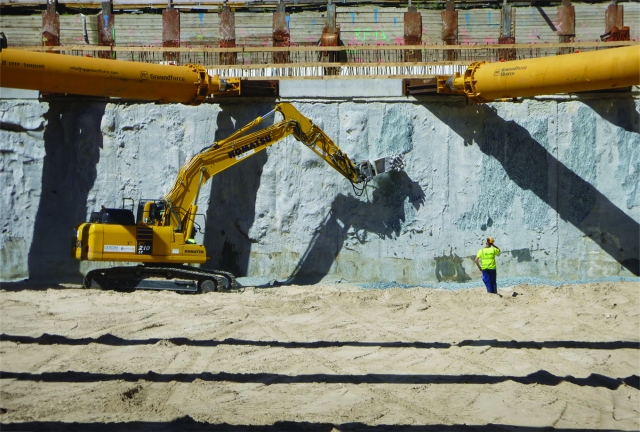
(245, 148)
(198, 251)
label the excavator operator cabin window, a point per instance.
(118, 217)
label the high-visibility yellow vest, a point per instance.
(488, 257)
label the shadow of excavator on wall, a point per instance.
(525, 161)
(72, 142)
(232, 203)
(352, 218)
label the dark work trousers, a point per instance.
(489, 279)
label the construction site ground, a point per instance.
(324, 357)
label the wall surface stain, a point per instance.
(450, 269)
(521, 255)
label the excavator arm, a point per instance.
(180, 202)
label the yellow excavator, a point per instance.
(161, 237)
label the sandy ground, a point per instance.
(322, 358)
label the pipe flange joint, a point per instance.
(202, 83)
(470, 82)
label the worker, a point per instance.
(488, 265)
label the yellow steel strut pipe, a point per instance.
(56, 73)
(595, 70)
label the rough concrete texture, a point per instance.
(554, 180)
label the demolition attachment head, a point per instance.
(372, 168)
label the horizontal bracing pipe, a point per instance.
(596, 70)
(64, 74)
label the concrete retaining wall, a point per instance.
(556, 181)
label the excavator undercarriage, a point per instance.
(180, 278)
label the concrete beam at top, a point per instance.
(234, 4)
(170, 27)
(330, 38)
(449, 33)
(413, 33)
(227, 29)
(507, 31)
(341, 88)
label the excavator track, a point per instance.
(181, 278)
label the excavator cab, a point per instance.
(113, 216)
(150, 211)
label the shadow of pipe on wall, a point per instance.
(352, 219)
(530, 166)
(620, 112)
(232, 203)
(72, 144)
